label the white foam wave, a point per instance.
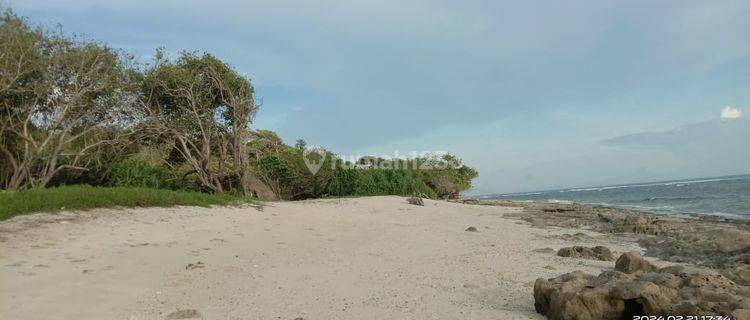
(671, 183)
(559, 201)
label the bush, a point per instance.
(373, 182)
(134, 172)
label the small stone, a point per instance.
(197, 265)
(472, 229)
(417, 201)
(184, 314)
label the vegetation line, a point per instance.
(81, 197)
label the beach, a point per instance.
(354, 258)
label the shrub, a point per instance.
(372, 182)
(134, 172)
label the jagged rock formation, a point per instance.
(632, 262)
(719, 243)
(636, 287)
(593, 253)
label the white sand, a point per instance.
(364, 258)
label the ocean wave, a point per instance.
(652, 199)
(655, 184)
(559, 201)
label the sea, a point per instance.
(727, 196)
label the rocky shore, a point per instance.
(715, 250)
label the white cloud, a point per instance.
(730, 113)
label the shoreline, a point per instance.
(715, 242)
(730, 217)
(531, 204)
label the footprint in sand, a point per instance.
(142, 244)
(16, 264)
(106, 268)
(544, 250)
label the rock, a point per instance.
(632, 262)
(184, 314)
(417, 201)
(197, 265)
(741, 314)
(594, 253)
(576, 237)
(709, 241)
(664, 292)
(471, 229)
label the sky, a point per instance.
(534, 94)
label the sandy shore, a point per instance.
(364, 258)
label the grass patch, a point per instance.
(80, 197)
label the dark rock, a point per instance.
(184, 314)
(417, 201)
(197, 265)
(594, 253)
(632, 262)
(471, 229)
(614, 295)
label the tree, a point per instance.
(205, 107)
(60, 100)
(301, 144)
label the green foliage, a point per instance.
(79, 112)
(446, 175)
(373, 182)
(187, 90)
(134, 172)
(284, 169)
(59, 96)
(79, 197)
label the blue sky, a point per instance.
(527, 91)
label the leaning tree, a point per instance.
(60, 100)
(205, 107)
